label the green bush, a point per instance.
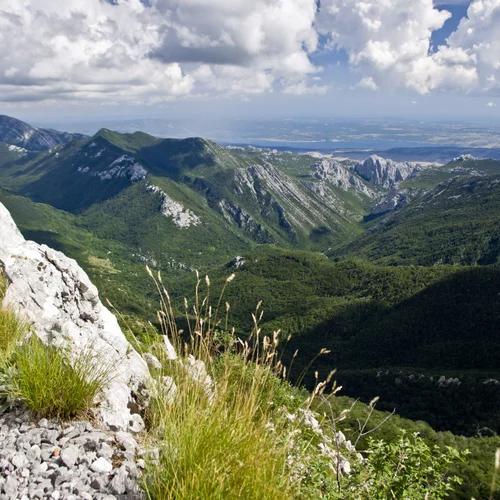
(42, 377)
(407, 469)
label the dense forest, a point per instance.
(391, 331)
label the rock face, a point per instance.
(64, 308)
(386, 172)
(123, 167)
(395, 199)
(333, 171)
(463, 158)
(182, 217)
(18, 133)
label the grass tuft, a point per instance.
(42, 377)
(219, 438)
(220, 447)
(12, 328)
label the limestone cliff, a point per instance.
(63, 306)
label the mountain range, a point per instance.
(391, 265)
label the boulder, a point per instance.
(56, 296)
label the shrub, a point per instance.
(407, 469)
(42, 377)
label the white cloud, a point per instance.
(367, 83)
(303, 87)
(93, 49)
(478, 38)
(122, 51)
(75, 50)
(491, 105)
(388, 42)
(262, 34)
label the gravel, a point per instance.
(49, 460)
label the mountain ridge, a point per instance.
(18, 133)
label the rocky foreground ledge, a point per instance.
(71, 461)
(63, 307)
(77, 460)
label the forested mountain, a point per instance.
(455, 223)
(117, 202)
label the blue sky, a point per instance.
(458, 11)
(268, 59)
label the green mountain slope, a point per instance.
(261, 196)
(456, 223)
(463, 167)
(380, 321)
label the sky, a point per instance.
(82, 59)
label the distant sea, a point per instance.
(326, 145)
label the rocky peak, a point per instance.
(386, 172)
(464, 158)
(63, 307)
(19, 133)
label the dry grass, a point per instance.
(219, 441)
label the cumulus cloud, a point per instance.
(263, 34)
(149, 51)
(76, 50)
(367, 83)
(389, 43)
(476, 43)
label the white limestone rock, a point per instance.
(63, 306)
(464, 158)
(124, 166)
(197, 371)
(152, 361)
(384, 172)
(335, 172)
(182, 217)
(169, 349)
(396, 199)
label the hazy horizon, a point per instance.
(263, 60)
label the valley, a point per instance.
(392, 266)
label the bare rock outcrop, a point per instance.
(64, 309)
(384, 172)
